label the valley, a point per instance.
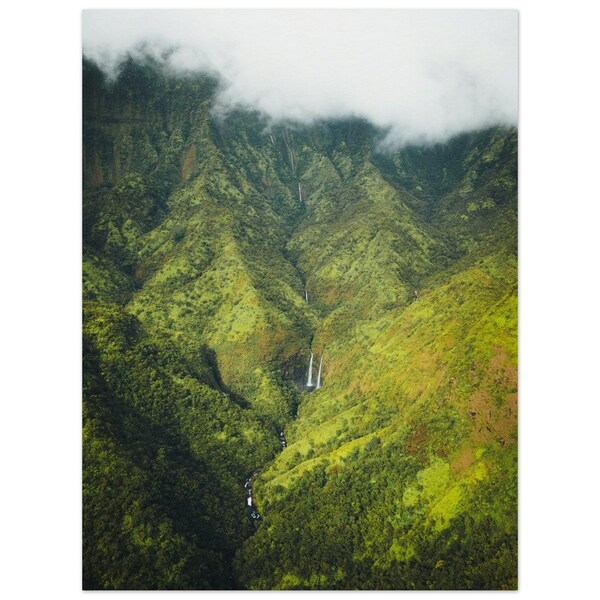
(300, 349)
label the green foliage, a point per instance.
(164, 458)
(400, 472)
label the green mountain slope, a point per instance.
(203, 236)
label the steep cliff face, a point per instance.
(204, 235)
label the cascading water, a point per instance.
(310, 383)
(299, 191)
(306, 294)
(251, 509)
(290, 153)
(319, 375)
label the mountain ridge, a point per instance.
(201, 236)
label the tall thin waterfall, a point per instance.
(306, 294)
(319, 375)
(290, 154)
(299, 191)
(310, 383)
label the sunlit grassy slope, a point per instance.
(201, 235)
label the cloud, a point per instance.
(424, 75)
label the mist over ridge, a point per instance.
(299, 353)
(423, 76)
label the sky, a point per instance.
(422, 75)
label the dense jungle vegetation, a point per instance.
(203, 234)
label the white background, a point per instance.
(40, 248)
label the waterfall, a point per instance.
(319, 375)
(290, 154)
(300, 191)
(310, 383)
(306, 294)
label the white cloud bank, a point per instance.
(424, 74)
